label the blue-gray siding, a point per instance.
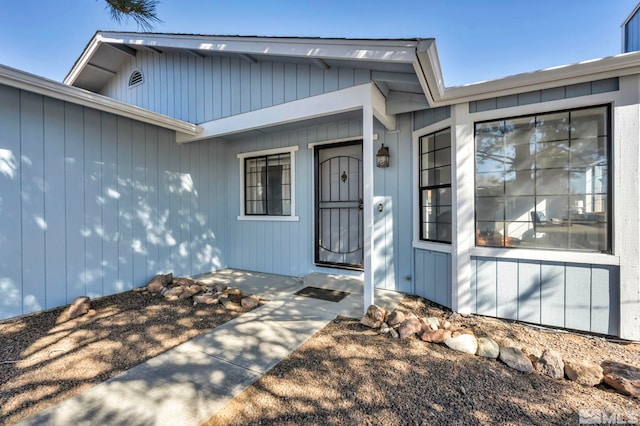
(426, 117)
(546, 95)
(93, 204)
(288, 247)
(576, 296)
(433, 276)
(204, 89)
(632, 34)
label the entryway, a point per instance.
(338, 206)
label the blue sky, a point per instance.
(477, 40)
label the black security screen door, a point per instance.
(339, 230)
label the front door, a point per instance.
(338, 205)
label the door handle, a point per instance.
(361, 204)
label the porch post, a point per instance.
(367, 171)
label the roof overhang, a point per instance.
(32, 83)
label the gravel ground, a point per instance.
(348, 374)
(43, 363)
(345, 374)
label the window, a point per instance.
(542, 181)
(435, 186)
(267, 187)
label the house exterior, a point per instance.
(515, 198)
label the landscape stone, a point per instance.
(158, 283)
(516, 359)
(435, 336)
(374, 316)
(487, 348)
(409, 327)
(185, 282)
(250, 301)
(207, 299)
(584, 372)
(445, 325)
(191, 290)
(466, 343)
(219, 287)
(624, 378)
(175, 291)
(551, 364)
(395, 318)
(394, 333)
(432, 322)
(384, 328)
(79, 306)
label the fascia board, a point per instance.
(32, 83)
(83, 60)
(350, 99)
(402, 51)
(620, 65)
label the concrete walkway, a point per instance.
(192, 381)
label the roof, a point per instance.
(407, 69)
(33, 83)
(393, 62)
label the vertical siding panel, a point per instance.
(441, 280)
(331, 79)
(166, 237)
(402, 216)
(603, 301)
(140, 213)
(361, 76)
(507, 289)
(256, 89)
(54, 208)
(345, 77)
(11, 282)
(245, 86)
(290, 82)
(74, 200)
(316, 81)
(110, 196)
(236, 90)
(93, 202)
(226, 94)
(185, 94)
(174, 208)
(266, 84)
(474, 285)
(158, 82)
(197, 92)
(32, 183)
(204, 224)
(152, 225)
(529, 291)
(419, 272)
(578, 297)
(186, 193)
(216, 87)
(486, 286)
(207, 89)
(125, 206)
(278, 84)
(302, 80)
(171, 84)
(552, 303)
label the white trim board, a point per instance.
(42, 86)
(345, 100)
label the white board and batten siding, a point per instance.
(575, 296)
(198, 90)
(94, 204)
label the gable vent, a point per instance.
(135, 78)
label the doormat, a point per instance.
(322, 294)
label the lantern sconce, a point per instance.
(382, 157)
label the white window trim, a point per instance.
(416, 135)
(260, 218)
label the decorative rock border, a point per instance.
(623, 378)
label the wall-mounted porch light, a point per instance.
(382, 157)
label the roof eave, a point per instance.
(32, 83)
